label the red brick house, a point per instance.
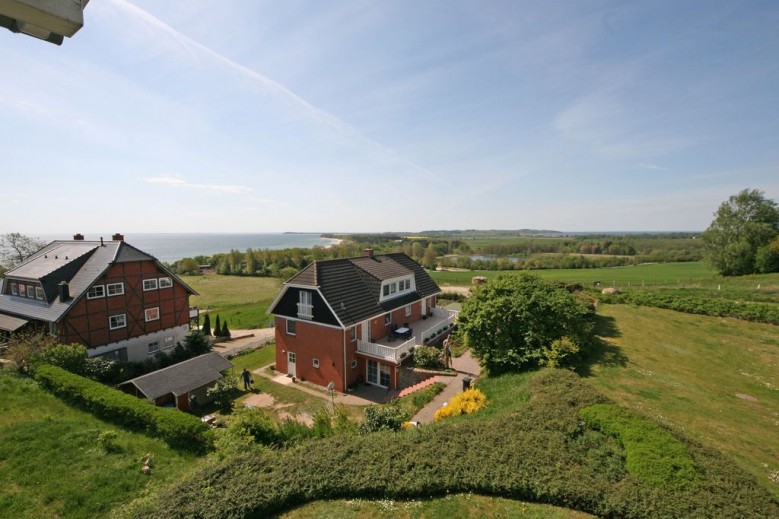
(355, 319)
(114, 299)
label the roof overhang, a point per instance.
(10, 323)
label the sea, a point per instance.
(170, 247)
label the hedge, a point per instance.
(746, 310)
(542, 452)
(179, 430)
(653, 455)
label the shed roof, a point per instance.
(183, 377)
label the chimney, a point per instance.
(64, 291)
(117, 237)
(78, 237)
(368, 252)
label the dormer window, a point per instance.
(14, 289)
(395, 287)
(305, 305)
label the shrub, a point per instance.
(223, 392)
(427, 357)
(387, 417)
(562, 351)
(107, 441)
(653, 455)
(467, 402)
(70, 357)
(424, 396)
(179, 430)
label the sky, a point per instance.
(369, 116)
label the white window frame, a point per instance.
(408, 310)
(30, 291)
(165, 283)
(149, 284)
(315, 363)
(117, 321)
(39, 293)
(156, 345)
(155, 314)
(169, 342)
(354, 363)
(354, 333)
(110, 287)
(305, 304)
(286, 327)
(22, 290)
(14, 289)
(92, 293)
(388, 319)
(395, 288)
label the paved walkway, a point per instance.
(466, 366)
(246, 340)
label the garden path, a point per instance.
(465, 366)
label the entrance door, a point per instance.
(378, 374)
(291, 359)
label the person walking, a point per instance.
(247, 379)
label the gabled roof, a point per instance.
(80, 263)
(183, 377)
(352, 286)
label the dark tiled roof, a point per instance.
(183, 377)
(352, 286)
(80, 263)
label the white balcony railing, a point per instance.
(393, 353)
(447, 318)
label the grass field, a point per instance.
(715, 379)
(459, 505)
(689, 276)
(243, 301)
(51, 463)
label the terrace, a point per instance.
(395, 350)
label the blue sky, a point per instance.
(244, 116)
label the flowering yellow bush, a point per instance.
(467, 402)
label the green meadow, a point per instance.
(243, 301)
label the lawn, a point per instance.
(52, 465)
(458, 505)
(243, 301)
(693, 277)
(715, 379)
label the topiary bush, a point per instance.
(179, 430)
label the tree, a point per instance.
(15, 247)
(196, 344)
(206, 325)
(742, 225)
(512, 321)
(217, 327)
(225, 330)
(429, 258)
(767, 259)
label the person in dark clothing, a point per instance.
(247, 379)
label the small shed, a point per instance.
(176, 384)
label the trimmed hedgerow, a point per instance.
(179, 430)
(537, 452)
(653, 455)
(746, 310)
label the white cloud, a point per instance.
(178, 181)
(654, 167)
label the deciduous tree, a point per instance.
(742, 225)
(15, 247)
(511, 322)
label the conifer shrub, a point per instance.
(653, 454)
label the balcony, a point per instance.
(423, 330)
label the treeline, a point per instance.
(524, 252)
